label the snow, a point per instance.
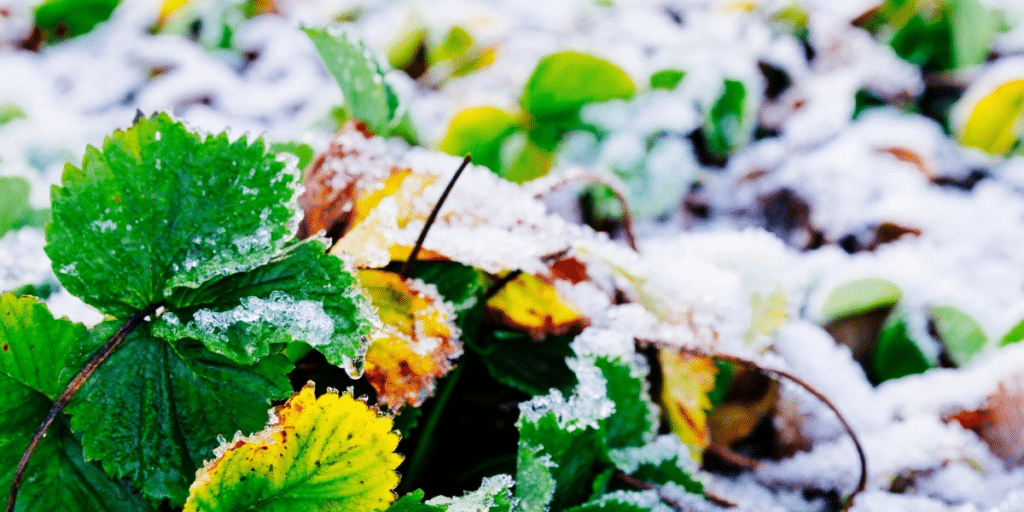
(689, 288)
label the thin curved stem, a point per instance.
(407, 266)
(69, 392)
(613, 186)
(647, 486)
(782, 374)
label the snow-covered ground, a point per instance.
(844, 178)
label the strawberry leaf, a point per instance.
(303, 295)
(160, 208)
(34, 347)
(152, 412)
(327, 453)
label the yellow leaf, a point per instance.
(687, 380)
(332, 453)
(767, 314)
(532, 304)
(414, 345)
(734, 420)
(993, 122)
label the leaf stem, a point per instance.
(782, 374)
(433, 216)
(69, 392)
(419, 456)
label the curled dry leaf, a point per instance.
(1000, 422)
(415, 343)
(487, 223)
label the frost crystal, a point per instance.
(305, 317)
(479, 500)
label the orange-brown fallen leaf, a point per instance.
(415, 343)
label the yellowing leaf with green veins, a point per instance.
(415, 343)
(332, 453)
(993, 123)
(532, 304)
(684, 395)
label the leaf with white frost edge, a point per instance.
(666, 459)
(160, 208)
(303, 295)
(34, 347)
(152, 412)
(494, 495)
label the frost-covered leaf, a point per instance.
(368, 97)
(860, 296)
(413, 502)
(563, 82)
(664, 460)
(416, 341)
(962, 336)
(684, 395)
(896, 354)
(993, 123)
(160, 208)
(624, 501)
(535, 483)
(303, 295)
(152, 412)
(34, 347)
(494, 495)
(327, 453)
(479, 132)
(515, 233)
(533, 305)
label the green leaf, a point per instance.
(972, 30)
(534, 367)
(727, 126)
(34, 347)
(574, 450)
(329, 453)
(455, 45)
(962, 336)
(1014, 335)
(666, 459)
(303, 295)
(152, 412)
(15, 210)
(479, 132)
(667, 79)
(621, 501)
(368, 97)
(860, 296)
(9, 112)
(528, 159)
(494, 495)
(634, 422)
(61, 19)
(896, 354)
(161, 208)
(535, 483)
(564, 82)
(304, 152)
(459, 284)
(413, 502)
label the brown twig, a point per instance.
(407, 266)
(69, 392)
(614, 187)
(732, 457)
(776, 373)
